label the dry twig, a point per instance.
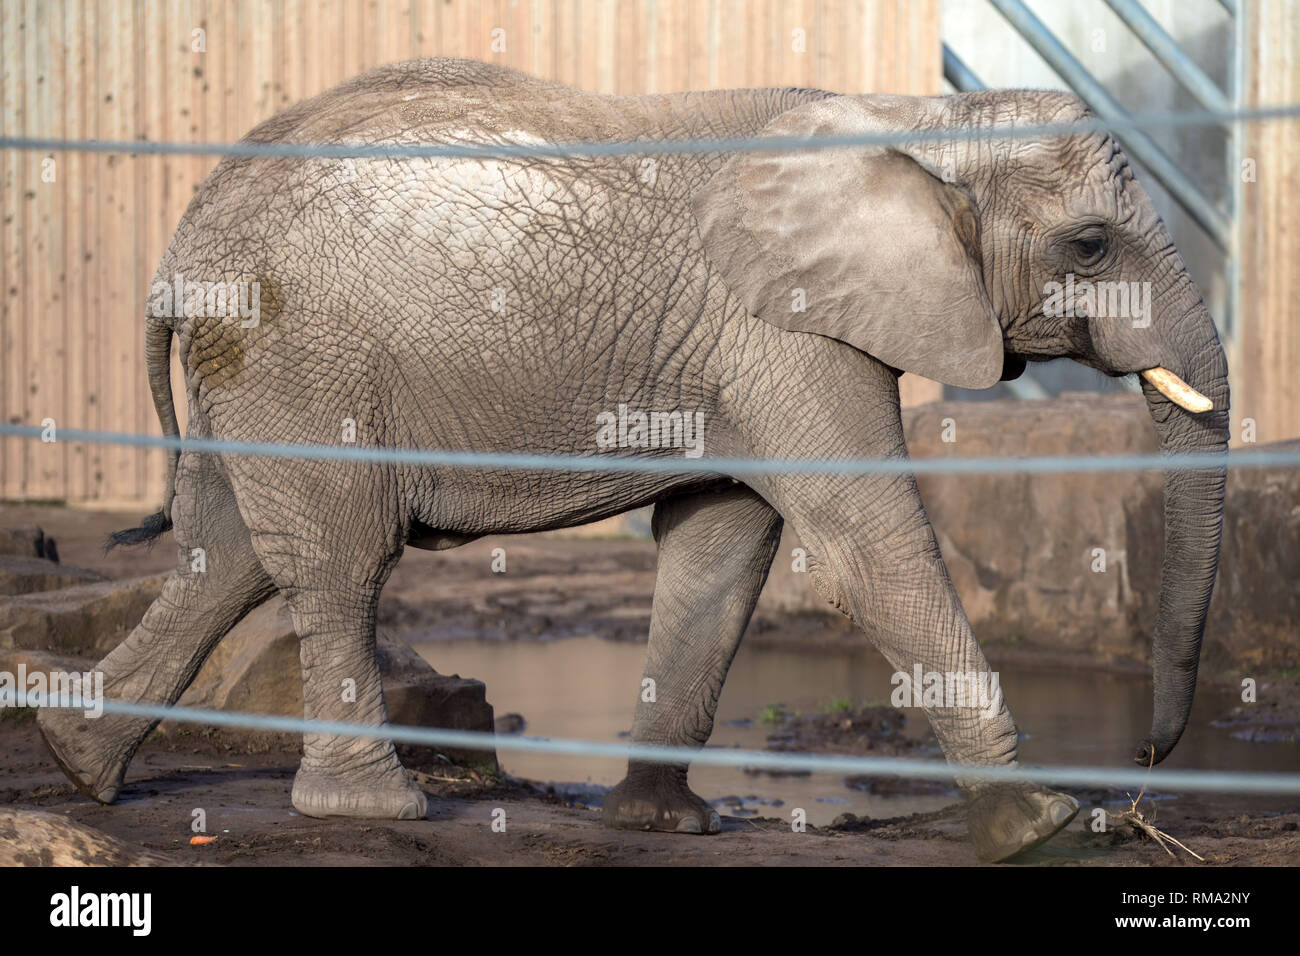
(1138, 821)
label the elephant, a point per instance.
(539, 303)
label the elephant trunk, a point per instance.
(1193, 513)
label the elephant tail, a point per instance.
(158, 361)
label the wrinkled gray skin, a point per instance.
(665, 287)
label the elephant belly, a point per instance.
(431, 539)
(452, 508)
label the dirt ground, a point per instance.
(558, 586)
(245, 797)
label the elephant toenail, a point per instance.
(688, 825)
(1062, 811)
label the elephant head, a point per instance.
(962, 259)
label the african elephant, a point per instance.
(522, 304)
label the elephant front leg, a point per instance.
(881, 565)
(714, 554)
(873, 554)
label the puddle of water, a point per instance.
(587, 687)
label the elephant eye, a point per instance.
(1089, 250)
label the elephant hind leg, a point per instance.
(715, 550)
(345, 776)
(218, 580)
(330, 534)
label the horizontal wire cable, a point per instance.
(1043, 464)
(595, 149)
(1207, 781)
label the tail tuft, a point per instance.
(151, 528)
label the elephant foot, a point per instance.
(1005, 821)
(87, 751)
(390, 795)
(657, 798)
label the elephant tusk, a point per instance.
(1176, 390)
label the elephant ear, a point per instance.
(865, 245)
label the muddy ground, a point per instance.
(245, 796)
(557, 586)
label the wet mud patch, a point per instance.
(1272, 718)
(900, 786)
(749, 806)
(948, 824)
(878, 731)
(867, 731)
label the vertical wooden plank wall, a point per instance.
(1265, 360)
(77, 252)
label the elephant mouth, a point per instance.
(1164, 381)
(1013, 366)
